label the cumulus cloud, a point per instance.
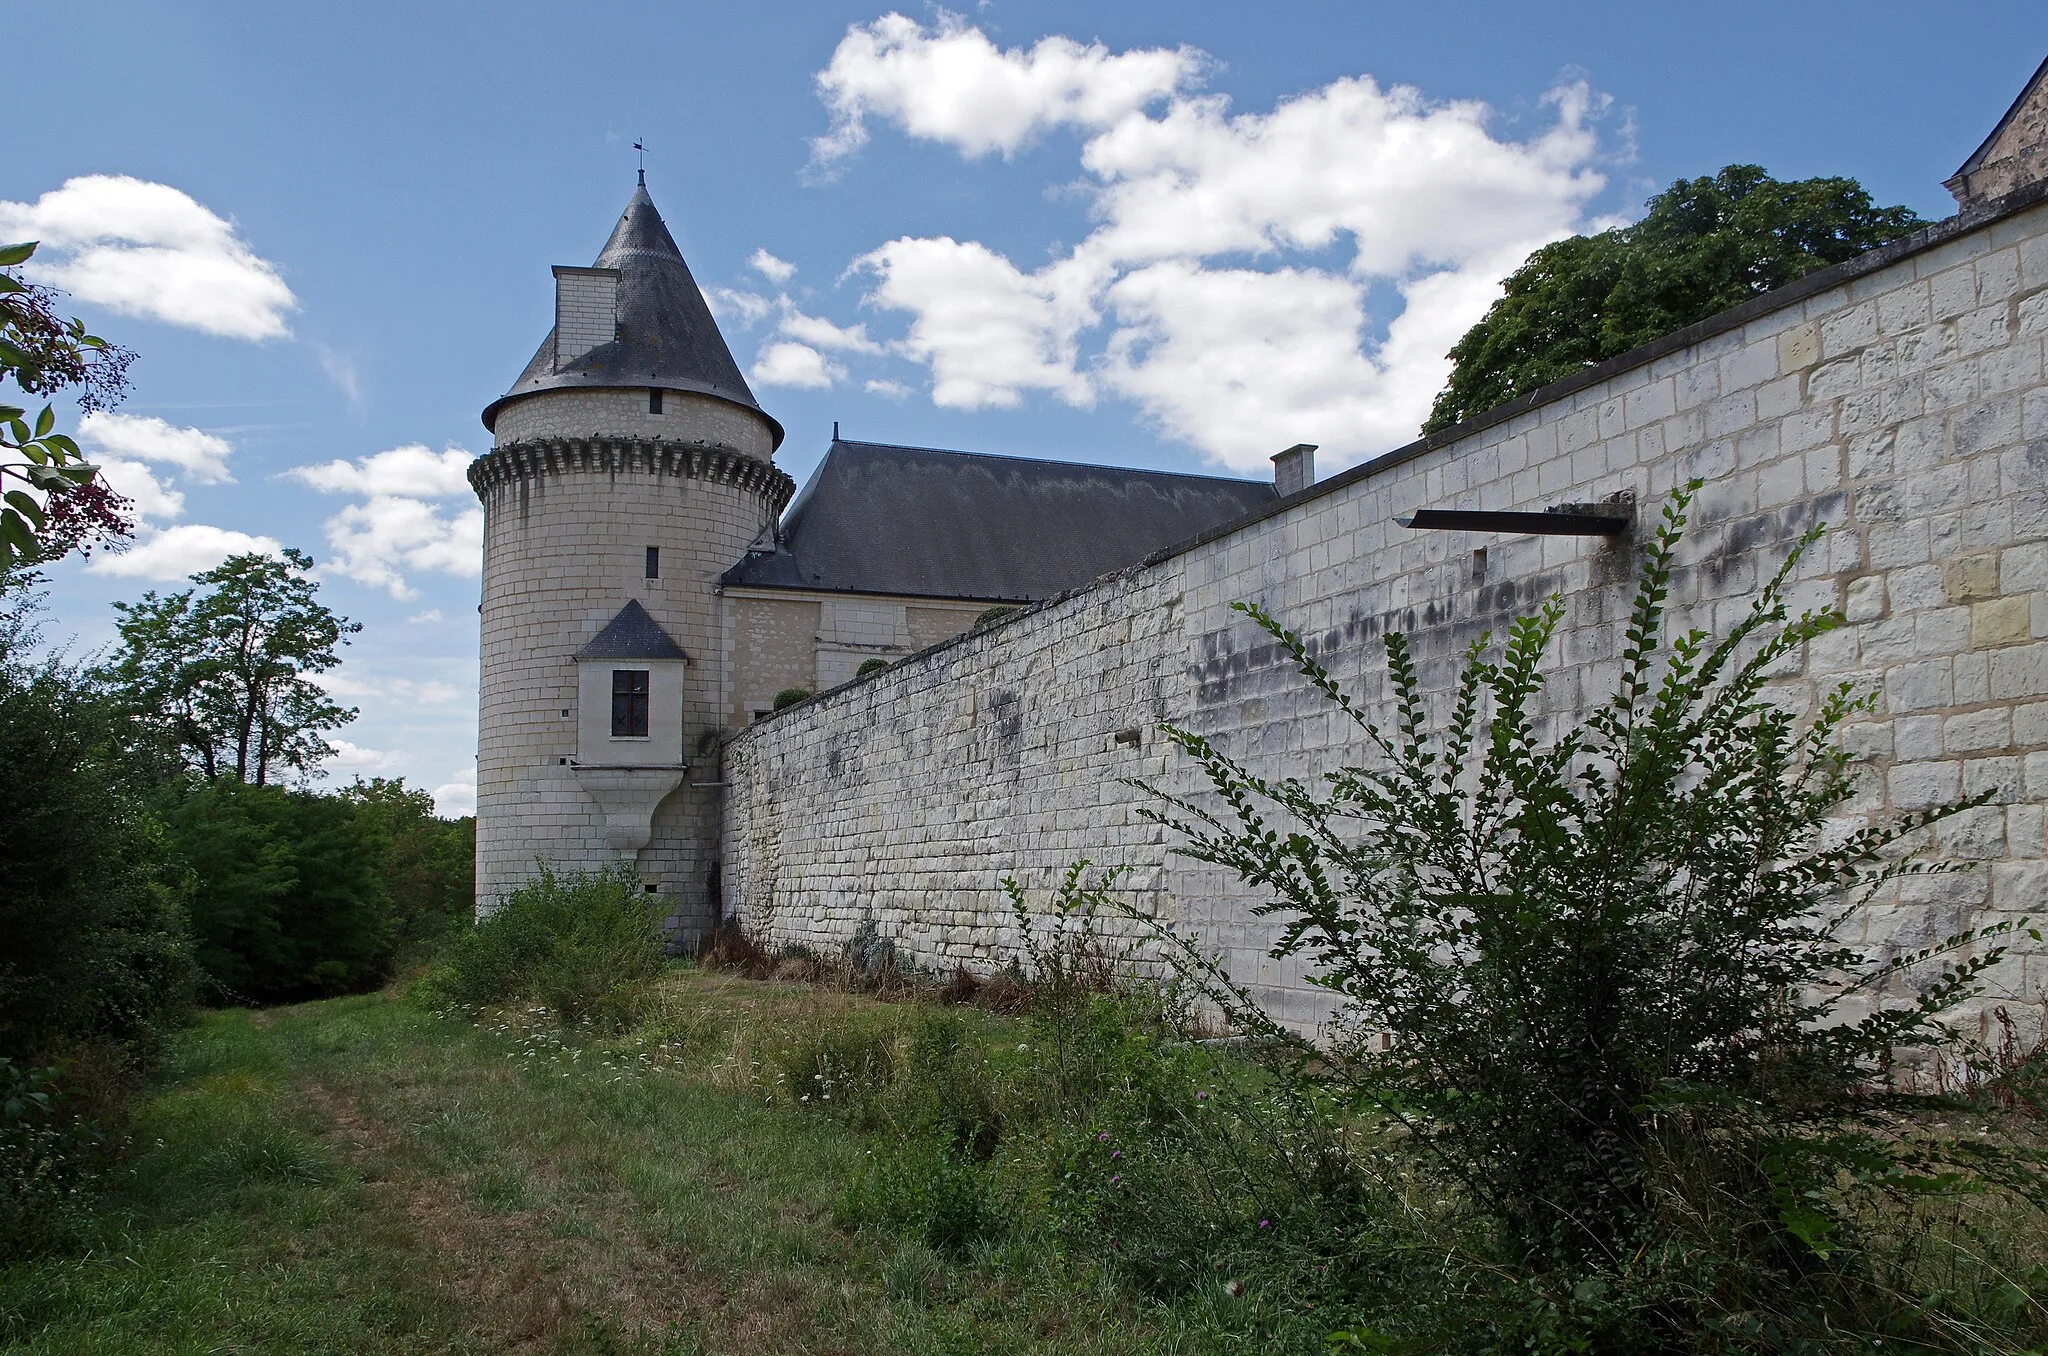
(396, 528)
(175, 552)
(819, 332)
(453, 800)
(426, 618)
(1252, 279)
(950, 84)
(412, 470)
(139, 486)
(777, 271)
(889, 390)
(201, 455)
(354, 758)
(798, 365)
(988, 330)
(148, 249)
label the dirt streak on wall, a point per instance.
(1898, 399)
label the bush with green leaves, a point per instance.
(583, 944)
(286, 902)
(1598, 984)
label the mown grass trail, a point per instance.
(362, 1176)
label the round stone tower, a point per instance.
(630, 466)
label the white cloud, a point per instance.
(347, 757)
(427, 618)
(342, 370)
(988, 330)
(376, 541)
(391, 690)
(891, 390)
(777, 271)
(1236, 283)
(738, 307)
(201, 455)
(176, 552)
(819, 332)
(453, 800)
(148, 249)
(410, 470)
(138, 484)
(798, 365)
(395, 528)
(950, 84)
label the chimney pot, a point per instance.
(1295, 469)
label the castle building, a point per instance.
(643, 593)
(646, 597)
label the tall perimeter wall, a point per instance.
(1898, 398)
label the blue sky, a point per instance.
(1180, 236)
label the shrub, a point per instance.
(996, 613)
(44, 1152)
(93, 943)
(790, 696)
(868, 666)
(1598, 979)
(286, 901)
(586, 945)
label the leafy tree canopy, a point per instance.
(1704, 245)
(222, 671)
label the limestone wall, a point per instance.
(1900, 399)
(624, 414)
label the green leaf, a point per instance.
(11, 255)
(12, 355)
(9, 284)
(46, 421)
(27, 507)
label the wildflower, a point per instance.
(1234, 1288)
(1116, 1153)
(1264, 1222)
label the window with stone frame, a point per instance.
(629, 703)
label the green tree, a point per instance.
(222, 671)
(95, 956)
(57, 502)
(1703, 246)
(286, 903)
(426, 864)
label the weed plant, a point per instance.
(585, 945)
(1596, 988)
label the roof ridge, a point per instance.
(1041, 461)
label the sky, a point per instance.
(1181, 236)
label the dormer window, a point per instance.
(654, 402)
(629, 703)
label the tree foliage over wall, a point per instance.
(1703, 246)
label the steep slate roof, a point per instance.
(632, 635)
(923, 522)
(667, 338)
(2016, 152)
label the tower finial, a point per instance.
(640, 145)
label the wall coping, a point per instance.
(1928, 237)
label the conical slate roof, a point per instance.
(667, 338)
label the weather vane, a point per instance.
(640, 145)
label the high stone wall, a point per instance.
(1898, 399)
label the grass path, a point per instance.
(361, 1176)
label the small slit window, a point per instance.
(654, 402)
(629, 703)
(654, 562)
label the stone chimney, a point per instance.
(1294, 469)
(586, 311)
(2014, 155)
